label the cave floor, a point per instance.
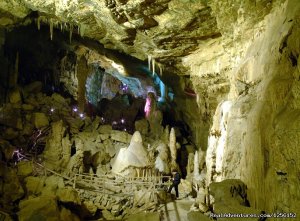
(176, 210)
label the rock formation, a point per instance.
(134, 156)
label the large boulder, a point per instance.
(68, 195)
(90, 206)
(105, 129)
(120, 136)
(12, 189)
(27, 107)
(15, 96)
(39, 208)
(52, 184)
(25, 168)
(40, 120)
(10, 134)
(11, 120)
(66, 214)
(34, 185)
(58, 98)
(7, 149)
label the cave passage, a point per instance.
(113, 86)
(75, 109)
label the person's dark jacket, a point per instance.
(176, 180)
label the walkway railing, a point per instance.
(111, 183)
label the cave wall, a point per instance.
(255, 136)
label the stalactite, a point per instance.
(71, 32)
(51, 29)
(160, 69)
(14, 78)
(65, 26)
(153, 66)
(149, 62)
(38, 23)
(82, 30)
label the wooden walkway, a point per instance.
(114, 184)
(111, 184)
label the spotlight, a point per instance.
(75, 109)
(81, 115)
(52, 109)
(122, 121)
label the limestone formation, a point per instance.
(196, 166)
(230, 196)
(53, 150)
(135, 156)
(163, 159)
(153, 115)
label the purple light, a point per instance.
(75, 109)
(81, 115)
(124, 87)
(125, 129)
(122, 121)
(147, 107)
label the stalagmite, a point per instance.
(165, 135)
(51, 29)
(196, 165)
(172, 143)
(173, 149)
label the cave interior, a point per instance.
(103, 102)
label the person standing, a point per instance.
(175, 183)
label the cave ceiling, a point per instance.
(166, 30)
